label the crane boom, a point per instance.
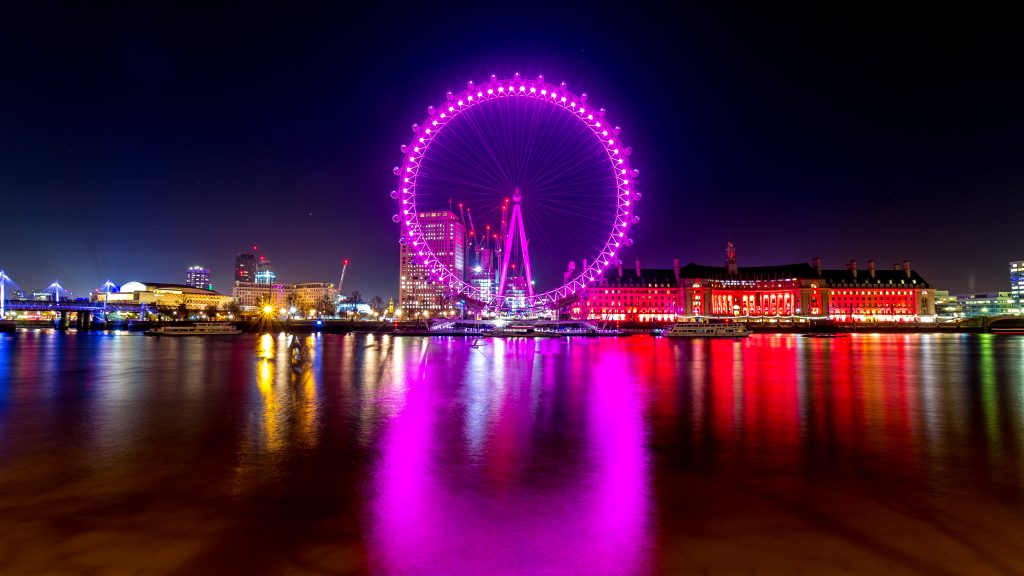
(341, 281)
(472, 229)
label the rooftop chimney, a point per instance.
(569, 273)
(816, 262)
(852, 267)
(906, 268)
(871, 268)
(675, 268)
(638, 268)
(895, 265)
(618, 265)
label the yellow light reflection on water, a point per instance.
(266, 346)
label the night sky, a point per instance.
(134, 144)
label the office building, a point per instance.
(1017, 281)
(304, 297)
(198, 277)
(988, 304)
(418, 294)
(245, 267)
(264, 271)
(309, 295)
(251, 295)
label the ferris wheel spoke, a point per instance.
(469, 161)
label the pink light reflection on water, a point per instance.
(489, 496)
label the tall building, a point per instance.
(245, 267)
(198, 277)
(446, 237)
(1017, 281)
(264, 271)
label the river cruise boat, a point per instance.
(197, 329)
(708, 329)
(524, 331)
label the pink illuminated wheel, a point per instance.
(539, 180)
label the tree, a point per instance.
(291, 300)
(325, 306)
(182, 311)
(377, 304)
(233, 308)
(211, 311)
(356, 296)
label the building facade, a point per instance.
(309, 295)
(245, 267)
(198, 277)
(759, 293)
(987, 304)
(164, 296)
(304, 297)
(251, 295)
(264, 271)
(633, 295)
(446, 237)
(1017, 281)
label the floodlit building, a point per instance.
(250, 295)
(632, 295)
(164, 295)
(264, 271)
(947, 306)
(988, 304)
(304, 297)
(446, 236)
(759, 293)
(198, 277)
(310, 294)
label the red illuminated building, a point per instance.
(760, 293)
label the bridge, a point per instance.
(84, 310)
(72, 306)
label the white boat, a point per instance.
(708, 329)
(197, 329)
(523, 331)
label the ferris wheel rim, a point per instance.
(559, 97)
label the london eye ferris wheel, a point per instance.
(539, 182)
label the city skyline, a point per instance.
(795, 138)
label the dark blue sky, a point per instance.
(135, 143)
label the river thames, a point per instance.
(375, 454)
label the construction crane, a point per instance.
(341, 281)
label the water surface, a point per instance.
(356, 454)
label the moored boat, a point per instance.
(708, 329)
